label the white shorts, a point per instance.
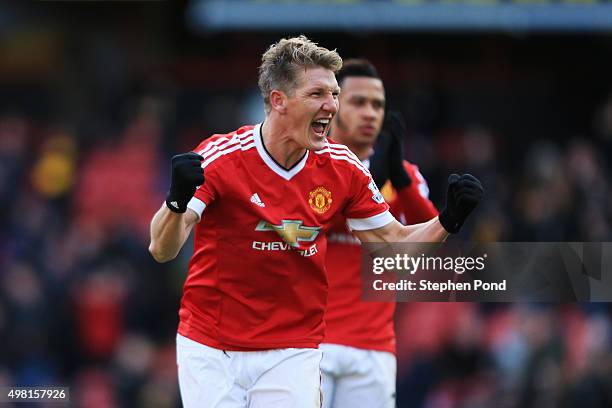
(280, 378)
(357, 378)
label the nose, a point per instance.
(330, 104)
(369, 112)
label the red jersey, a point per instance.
(349, 320)
(257, 277)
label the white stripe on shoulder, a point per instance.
(213, 144)
(223, 142)
(341, 152)
(342, 149)
(236, 140)
(347, 159)
(222, 152)
(232, 137)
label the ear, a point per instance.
(278, 101)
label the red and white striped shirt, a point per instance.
(257, 276)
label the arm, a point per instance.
(430, 231)
(412, 201)
(462, 196)
(169, 231)
(173, 222)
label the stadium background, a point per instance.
(95, 97)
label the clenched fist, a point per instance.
(187, 175)
(462, 196)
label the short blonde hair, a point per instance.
(281, 62)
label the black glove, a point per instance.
(395, 125)
(187, 174)
(462, 196)
(379, 161)
(387, 162)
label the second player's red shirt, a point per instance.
(349, 320)
(257, 276)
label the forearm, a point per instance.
(384, 241)
(430, 231)
(463, 195)
(169, 231)
(394, 232)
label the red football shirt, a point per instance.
(257, 276)
(350, 321)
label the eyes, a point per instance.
(320, 93)
(377, 104)
(358, 101)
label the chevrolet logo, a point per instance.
(291, 231)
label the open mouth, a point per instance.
(319, 126)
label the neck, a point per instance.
(279, 143)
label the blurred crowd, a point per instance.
(485, 355)
(84, 167)
(83, 304)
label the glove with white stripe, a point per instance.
(462, 196)
(187, 174)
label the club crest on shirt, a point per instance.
(320, 199)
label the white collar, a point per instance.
(265, 156)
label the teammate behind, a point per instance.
(261, 199)
(359, 364)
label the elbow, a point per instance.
(159, 255)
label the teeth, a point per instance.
(322, 121)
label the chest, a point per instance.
(252, 194)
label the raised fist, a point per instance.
(187, 175)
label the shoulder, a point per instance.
(220, 148)
(340, 156)
(413, 171)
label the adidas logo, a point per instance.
(174, 204)
(257, 201)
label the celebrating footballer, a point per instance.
(261, 200)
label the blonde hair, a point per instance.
(281, 62)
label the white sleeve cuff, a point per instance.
(197, 206)
(376, 221)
